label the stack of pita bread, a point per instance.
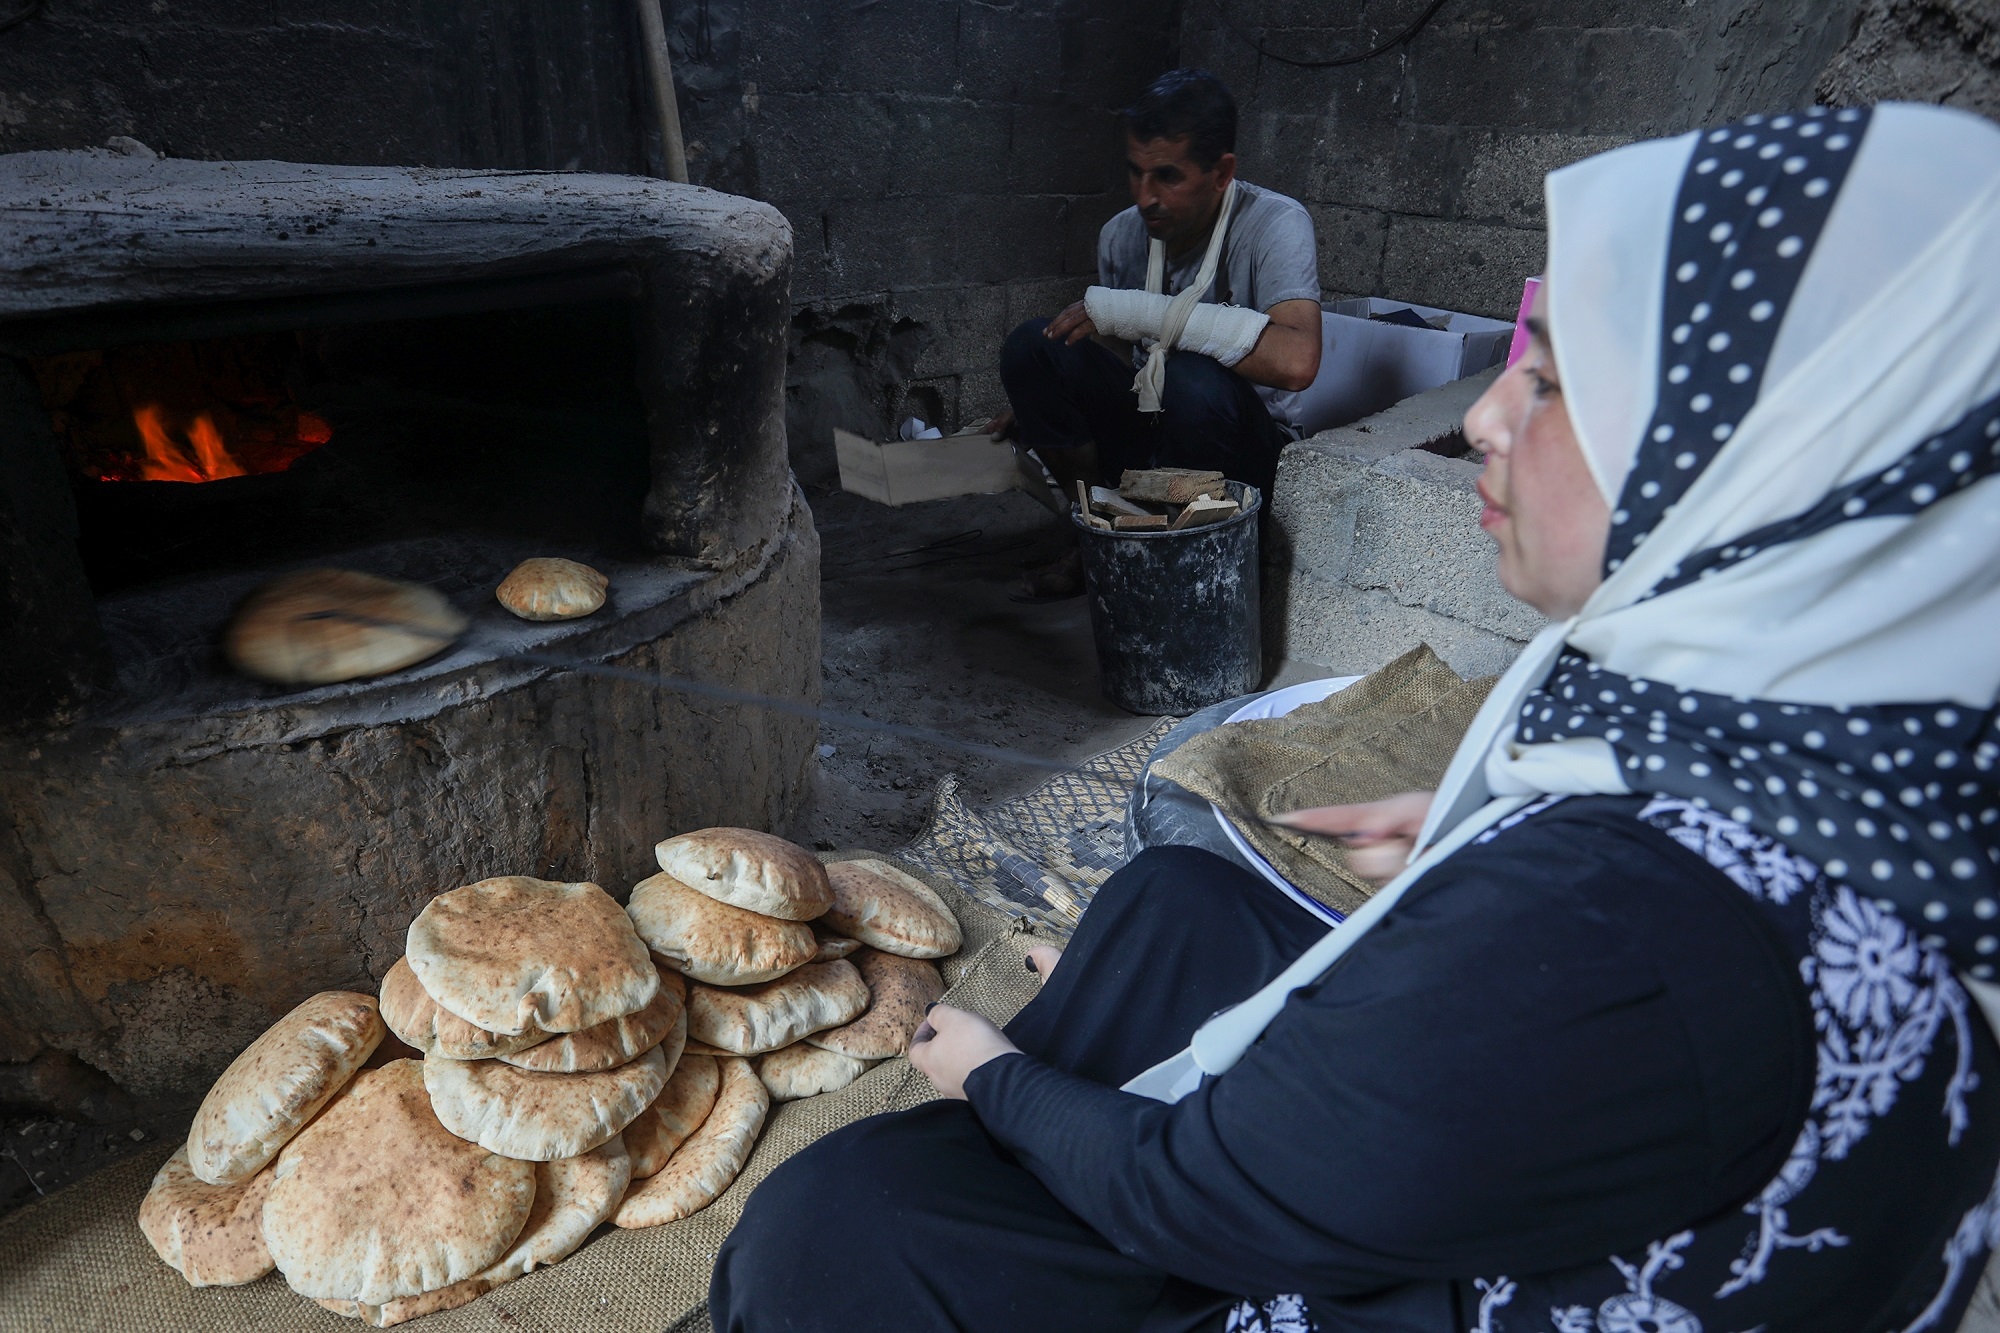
(562, 1076)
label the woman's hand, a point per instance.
(952, 1043)
(1381, 834)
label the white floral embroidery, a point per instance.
(1280, 1314)
(1978, 1233)
(1637, 1309)
(1772, 1221)
(1492, 1295)
(1573, 1319)
(1758, 865)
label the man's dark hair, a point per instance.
(1189, 104)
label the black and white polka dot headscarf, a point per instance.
(1780, 343)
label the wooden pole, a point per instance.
(660, 72)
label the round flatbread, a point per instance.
(663, 1023)
(320, 626)
(551, 588)
(896, 912)
(899, 991)
(279, 1083)
(792, 1072)
(434, 1030)
(675, 1114)
(212, 1235)
(758, 872)
(713, 941)
(755, 1019)
(573, 1197)
(376, 1200)
(706, 1164)
(512, 954)
(540, 1117)
(833, 946)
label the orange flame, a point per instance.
(206, 459)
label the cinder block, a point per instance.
(1402, 168)
(1506, 78)
(1355, 631)
(1465, 266)
(826, 147)
(1005, 54)
(1504, 182)
(1628, 81)
(1005, 237)
(942, 145)
(875, 244)
(1061, 147)
(901, 46)
(1351, 242)
(785, 46)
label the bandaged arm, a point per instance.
(1225, 332)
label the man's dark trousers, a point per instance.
(1067, 395)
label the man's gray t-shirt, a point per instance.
(1267, 257)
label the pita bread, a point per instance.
(712, 941)
(899, 991)
(540, 1117)
(834, 946)
(896, 912)
(706, 1164)
(212, 1235)
(760, 1018)
(573, 1197)
(662, 1023)
(799, 1070)
(676, 1113)
(757, 872)
(376, 1200)
(280, 1082)
(513, 953)
(694, 1047)
(320, 626)
(432, 1029)
(551, 588)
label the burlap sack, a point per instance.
(78, 1261)
(1393, 731)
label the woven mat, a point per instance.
(1392, 731)
(76, 1260)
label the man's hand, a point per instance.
(1002, 426)
(952, 1043)
(1073, 325)
(1381, 833)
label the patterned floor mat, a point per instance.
(1041, 856)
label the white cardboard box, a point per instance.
(900, 472)
(1366, 365)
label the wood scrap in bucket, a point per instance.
(1158, 499)
(1171, 485)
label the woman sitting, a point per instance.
(1667, 1029)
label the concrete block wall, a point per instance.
(1378, 546)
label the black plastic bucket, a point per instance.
(1175, 614)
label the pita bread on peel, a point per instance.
(676, 1113)
(212, 1235)
(511, 954)
(376, 1200)
(899, 991)
(540, 1117)
(617, 1041)
(573, 1197)
(319, 626)
(755, 1019)
(892, 910)
(713, 941)
(758, 872)
(709, 1161)
(280, 1082)
(792, 1072)
(432, 1029)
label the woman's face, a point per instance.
(1542, 505)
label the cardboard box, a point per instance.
(900, 472)
(1366, 365)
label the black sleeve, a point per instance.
(1565, 1042)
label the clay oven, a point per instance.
(214, 372)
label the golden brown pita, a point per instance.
(706, 1164)
(376, 1200)
(754, 1019)
(758, 872)
(676, 1113)
(320, 626)
(432, 1029)
(540, 1117)
(792, 1072)
(894, 911)
(212, 1235)
(513, 953)
(279, 1083)
(551, 588)
(713, 941)
(662, 1023)
(899, 991)
(834, 946)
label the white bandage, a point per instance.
(1225, 332)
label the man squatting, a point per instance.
(1219, 383)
